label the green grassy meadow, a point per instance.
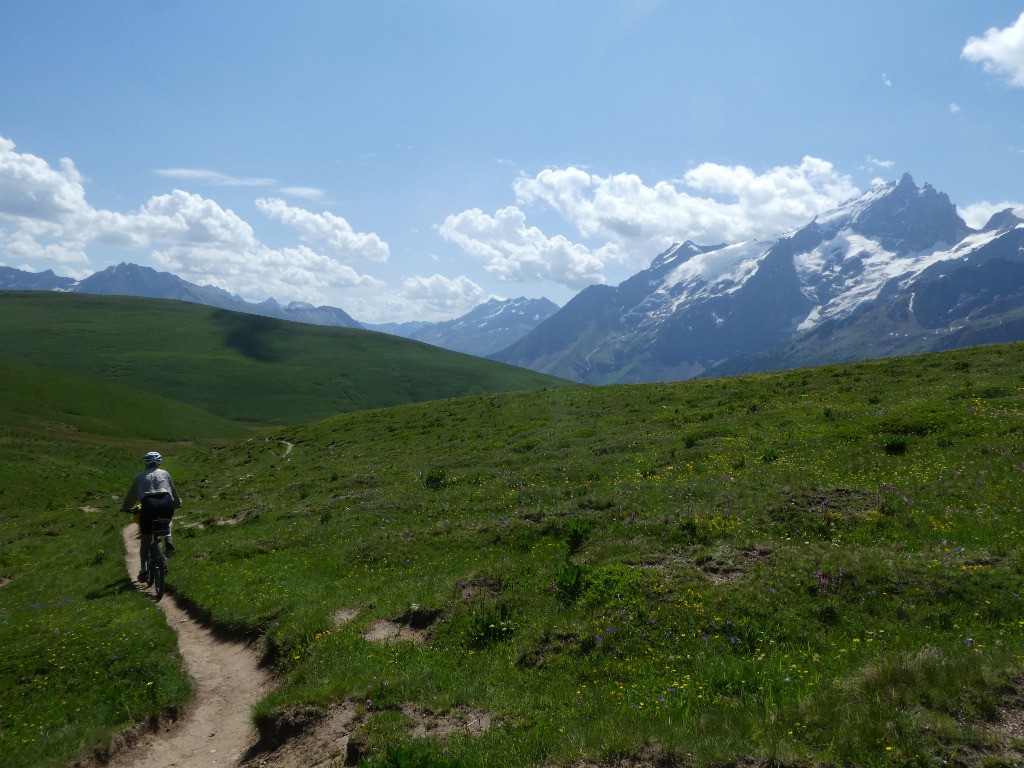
(44, 400)
(812, 567)
(815, 567)
(241, 367)
(83, 656)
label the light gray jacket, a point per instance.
(151, 480)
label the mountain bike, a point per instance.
(157, 565)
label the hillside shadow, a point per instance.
(251, 335)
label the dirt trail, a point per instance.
(215, 729)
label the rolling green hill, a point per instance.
(242, 367)
(47, 400)
(810, 568)
(817, 567)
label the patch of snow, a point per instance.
(974, 241)
(716, 272)
(844, 273)
(702, 275)
(848, 212)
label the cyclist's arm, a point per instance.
(131, 498)
(174, 493)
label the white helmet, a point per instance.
(152, 458)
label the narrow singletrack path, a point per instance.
(215, 729)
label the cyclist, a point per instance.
(154, 489)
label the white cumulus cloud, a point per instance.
(458, 293)
(621, 218)
(326, 230)
(32, 190)
(46, 220)
(207, 244)
(1000, 51)
(44, 216)
(430, 298)
(977, 214)
(190, 219)
(515, 252)
(286, 274)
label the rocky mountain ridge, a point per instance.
(706, 310)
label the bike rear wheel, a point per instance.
(157, 567)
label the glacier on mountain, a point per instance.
(797, 298)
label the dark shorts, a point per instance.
(158, 506)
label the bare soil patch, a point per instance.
(480, 588)
(235, 519)
(388, 632)
(461, 720)
(412, 626)
(344, 616)
(720, 565)
(1008, 733)
(730, 564)
(311, 739)
(818, 509)
(548, 648)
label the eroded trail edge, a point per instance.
(215, 729)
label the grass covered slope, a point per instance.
(241, 367)
(83, 655)
(36, 398)
(815, 567)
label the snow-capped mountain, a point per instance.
(750, 306)
(488, 328)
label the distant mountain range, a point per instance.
(488, 328)
(895, 271)
(133, 280)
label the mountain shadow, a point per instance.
(252, 335)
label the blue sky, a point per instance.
(409, 160)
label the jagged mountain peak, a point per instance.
(133, 279)
(696, 307)
(902, 216)
(494, 309)
(907, 185)
(1002, 220)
